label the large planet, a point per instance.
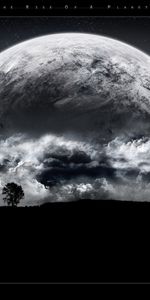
(74, 81)
(71, 106)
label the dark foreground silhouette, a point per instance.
(82, 241)
(87, 203)
(12, 194)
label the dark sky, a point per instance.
(133, 30)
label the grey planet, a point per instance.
(75, 82)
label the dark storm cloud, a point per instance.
(69, 168)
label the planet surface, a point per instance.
(72, 106)
(53, 82)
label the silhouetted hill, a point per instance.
(87, 203)
(86, 240)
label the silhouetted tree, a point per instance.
(13, 193)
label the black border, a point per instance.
(74, 8)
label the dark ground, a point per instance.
(86, 204)
(84, 241)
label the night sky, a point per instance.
(133, 30)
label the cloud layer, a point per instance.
(62, 168)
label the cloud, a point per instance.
(63, 168)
